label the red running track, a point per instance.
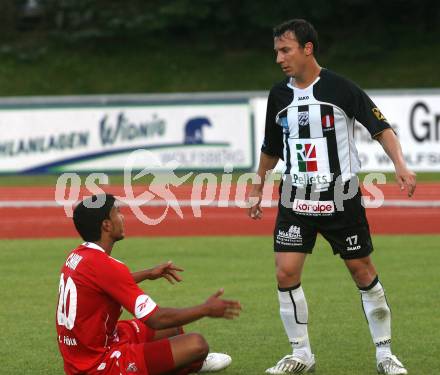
(52, 221)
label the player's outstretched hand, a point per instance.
(166, 270)
(222, 308)
(406, 180)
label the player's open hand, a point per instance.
(166, 270)
(222, 308)
(406, 180)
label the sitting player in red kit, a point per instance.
(93, 290)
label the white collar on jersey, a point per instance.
(92, 245)
(291, 84)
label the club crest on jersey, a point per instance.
(303, 118)
(306, 155)
(328, 122)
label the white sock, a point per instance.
(378, 315)
(294, 314)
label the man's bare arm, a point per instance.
(267, 163)
(405, 177)
(166, 270)
(214, 307)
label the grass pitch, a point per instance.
(408, 268)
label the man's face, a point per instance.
(117, 222)
(289, 54)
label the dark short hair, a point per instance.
(302, 29)
(88, 215)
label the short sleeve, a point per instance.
(367, 113)
(273, 134)
(116, 280)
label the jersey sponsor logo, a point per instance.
(291, 237)
(303, 118)
(306, 155)
(143, 306)
(313, 208)
(328, 122)
(309, 161)
(303, 98)
(378, 114)
(304, 179)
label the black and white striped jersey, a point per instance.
(311, 129)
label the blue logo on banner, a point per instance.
(194, 130)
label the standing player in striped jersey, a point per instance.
(93, 289)
(309, 124)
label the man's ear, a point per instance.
(309, 48)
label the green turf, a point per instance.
(408, 267)
(118, 179)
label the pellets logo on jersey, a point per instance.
(379, 114)
(306, 155)
(328, 122)
(303, 118)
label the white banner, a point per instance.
(415, 117)
(207, 134)
(83, 139)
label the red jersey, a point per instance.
(93, 289)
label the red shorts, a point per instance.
(136, 353)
